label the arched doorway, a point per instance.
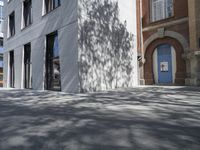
(179, 69)
(164, 64)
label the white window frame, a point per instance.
(164, 10)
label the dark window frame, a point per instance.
(27, 66)
(50, 5)
(11, 69)
(27, 13)
(1, 42)
(11, 24)
(53, 79)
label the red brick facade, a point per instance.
(173, 31)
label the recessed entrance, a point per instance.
(164, 64)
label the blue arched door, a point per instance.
(164, 64)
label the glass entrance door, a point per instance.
(53, 81)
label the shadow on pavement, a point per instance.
(150, 118)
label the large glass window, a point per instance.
(11, 24)
(11, 70)
(53, 81)
(161, 9)
(27, 66)
(1, 13)
(27, 13)
(51, 5)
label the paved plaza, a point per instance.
(141, 118)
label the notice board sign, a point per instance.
(164, 66)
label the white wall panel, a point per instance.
(38, 62)
(68, 58)
(18, 66)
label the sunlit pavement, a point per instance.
(143, 118)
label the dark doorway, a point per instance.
(53, 81)
(12, 70)
(27, 67)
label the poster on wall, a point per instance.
(164, 67)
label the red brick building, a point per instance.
(163, 39)
(192, 56)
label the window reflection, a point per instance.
(53, 63)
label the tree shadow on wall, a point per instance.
(105, 47)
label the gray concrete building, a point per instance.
(70, 45)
